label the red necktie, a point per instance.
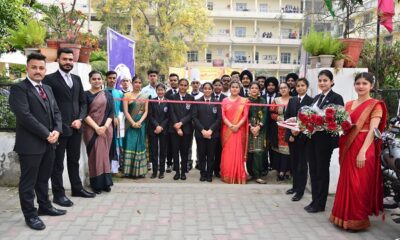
(42, 94)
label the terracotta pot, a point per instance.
(52, 43)
(326, 60)
(76, 48)
(313, 61)
(353, 51)
(338, 63)
(50, 53)
(28, 51)
(84, 54)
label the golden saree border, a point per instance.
(350, 224)
(232, 180)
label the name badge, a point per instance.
(188, 106)
(214, 110)
(165, 109)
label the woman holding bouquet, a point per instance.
(256, 147)
(359, 191)
(321, 145)
(234, 136)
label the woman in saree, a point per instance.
(135, 110)
(98, 133)
(257, 134)
(281, 150)
(360, 188)
(234, 136)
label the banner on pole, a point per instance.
(121, 55)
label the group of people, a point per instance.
(233, 121)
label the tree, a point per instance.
(164, 30)
(12, 12)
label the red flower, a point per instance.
(346, 125)
(330, 112)
(332, 126)
(313, 118)
(319, 121)
(310, 128)
(330, 119)
(303, 117)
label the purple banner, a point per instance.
(121, 55)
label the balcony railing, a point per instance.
(256, 14)
(254, 39)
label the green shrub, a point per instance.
(330, 45)
(7, 118)
(27, 35)
(312, 42)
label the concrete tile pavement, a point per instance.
(153, 209)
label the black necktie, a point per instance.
(321, 97)
(299, 100)
(217, 97)
(245, 92)
(207, 100)
(270, 99)
(42, 94)
(174, 91)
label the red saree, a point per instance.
(234, 144)
(359, 191)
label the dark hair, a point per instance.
(367, 76)
(183, 79)
(216, 80)
(161, 85)
(234, 82)
(234, 72)
(303, 80)
(285, 84)
(328, 74)
(93, 72)
(136, 77)
(208, 83)
(254, 83)
(173, 75)
(152, 71)
(64, 50)
(225, 75)
(36, 56)
(272, 80)
(111, 73)
(261, 77)
(247, 73)
(292, 75)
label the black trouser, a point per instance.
(170, 155)
(218, 152)
(320, 152)
(35, 174)
(158, 146)
(206, 149)
(72, 144)
(180, 146)
(298, 155)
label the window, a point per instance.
(208, 56)
(285, 58)
(219, 51)
(210, 6)
(152, 29)
(240, 57)
(240, 31)
(282, 79)
(263, 8)
(241, 7)
(193, 56)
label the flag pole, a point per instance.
(378, 30)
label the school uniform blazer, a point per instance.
(221, 97)
(181, 112)
(207, 116)
(158, 116)
(169, 94)
(292, 110)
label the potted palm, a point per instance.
(330, 47)
(312, 44)
(28, 37)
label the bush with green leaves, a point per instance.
(27, 35)
(312, 42)
(7, 118)
(330, 45)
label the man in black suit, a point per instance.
(297, 141)
(246, 77)
(70, 98)
(181, 128)
(173, 83)
(291, 79)
(272, 88)
(157, 130)
(261, 82)
(38, 128)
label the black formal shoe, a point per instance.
(312, 209)
(177, 176)
(97, 191)
(169, 169)
(107, 189)
(183, 176)
(297, 197)
(217, 175)
(35, 223)
(280, 178)
(290, 191)
(63, 201)
(202, 179)
(161, 176)
(154, 175)
(83, 193)
(51, 212)
(197, 166)
(209, 179)
(308, 207)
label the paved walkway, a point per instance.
(155, 209)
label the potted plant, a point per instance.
(312, 44)
(330, 47)
(89, 43)
(28, 37)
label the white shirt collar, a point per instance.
(33, 82)
(64, 73)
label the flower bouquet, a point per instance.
(337, 120)
(310, 120)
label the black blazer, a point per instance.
(181, 112)
(72, 102)
(241, 93)
(221, 97)
(331, 98)
(158, 116)
(34, 121)
(169, 93)
(292, 110)
(207, 116)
